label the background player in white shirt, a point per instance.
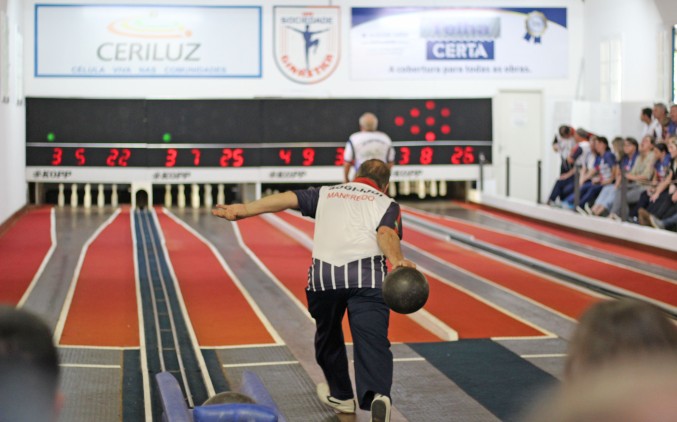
(367, 144)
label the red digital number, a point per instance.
(308, 156)
(112, 156)
(196, 156)
(426, 155)
(57, 156)
(80, 156)
(285, 155)
(118, 157)
(231, 155)
(122, 161)
(170, 161)
(457, 156)
(468, 155)
(405, 155)
(339, 156)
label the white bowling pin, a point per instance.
(61, 198)
(181, 199)
(392, 190)
(433, 188)
(420, 188)
(208, 196)
(87, 199)
(114, 195)
(195, 195)
(74, 195)
(220, 194)
(168, 196)
(100, 199)
(443, 188)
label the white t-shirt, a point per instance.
(363, 146)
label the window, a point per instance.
(610, 70)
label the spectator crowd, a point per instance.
(625, 179)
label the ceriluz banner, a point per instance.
(147, 41)
(447, 43)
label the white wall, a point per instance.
(12, 124)
(340, 84)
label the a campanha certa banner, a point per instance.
(147, 41)
(448, 43)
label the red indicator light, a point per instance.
(430, 105)
(80, 156)
(231, 156)
(112, 156)
(445, 112)
(414, 112)
(285, 155)
(430, 121)
(445, 129)
(405, 154)
(399, 121)
(430, 136)
(415, 130)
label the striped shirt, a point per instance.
(345, 250)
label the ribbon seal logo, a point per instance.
(536, 25)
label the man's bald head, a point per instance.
(376, 170)
(368, 122)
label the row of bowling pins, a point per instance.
(421, 187)
(195, 200)
(87, 196)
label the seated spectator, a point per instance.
(563, 144)
(665, 205)
(626, 161)
(581, 158)
(29, 368)
(662, 179)
(637, 179)
(672, 125)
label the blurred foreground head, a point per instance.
(625, 391)
(624, 329)
(29, 368)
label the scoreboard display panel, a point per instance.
(232, 134)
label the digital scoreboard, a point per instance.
(246, 140)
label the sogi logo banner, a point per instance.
(307, 42)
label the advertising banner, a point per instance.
(307, 42)
(147, 41)
(444, 43)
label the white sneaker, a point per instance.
(380, 408)
(587, 208)
(581, 211)
(343, 406)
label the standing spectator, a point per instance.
(367, 144)
(637, 179)
(357, 227)
(660, 115)
(29, 368)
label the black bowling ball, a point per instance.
(405, 290)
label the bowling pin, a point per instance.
(443, 188)
(208, 196)
(433, 188)
(404, 187)
(61, 198)
(114, 195)
(181, 199)
(87, 200)
(168, 196)
(420, 188)
(74, 195)
(392, 190)
(195, 195)
(220, 194)
(100, 199)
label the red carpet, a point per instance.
(470, 317)
(289, 261)
(23, 247)
(103, 311)
(625, 278)
(219, 313)
(573, 236)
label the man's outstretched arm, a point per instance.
(272, 203)
(389, 243)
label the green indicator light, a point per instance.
(51, 137)
(167, 137)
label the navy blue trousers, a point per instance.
(368, 316)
